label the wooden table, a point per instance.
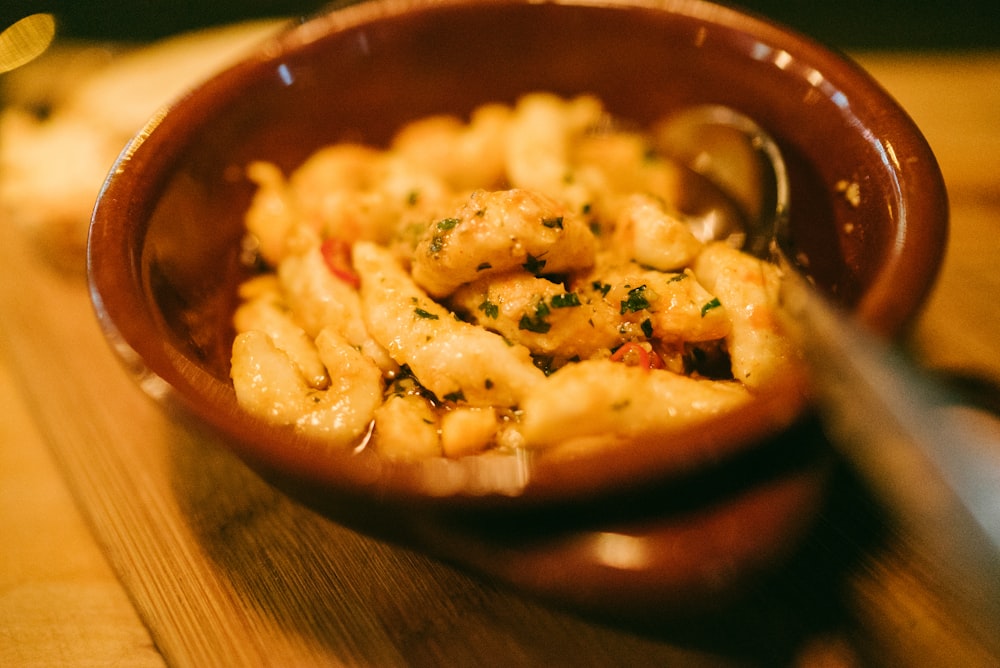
(127, 539)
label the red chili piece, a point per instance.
(646, 359)
(337, 255)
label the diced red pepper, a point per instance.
(337, 255)
(646, 359)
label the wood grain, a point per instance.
(217, 568)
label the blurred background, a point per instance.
(849, 24)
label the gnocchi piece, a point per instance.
(463, 155)
(322, 300)
(605, 402)
(268, 383)
(676, 305)
(543, 130)
(468, 430)
(758, 350)
(272, 212)
(653, 237)
(541, 315)
(266, 313)
(406, 429)
(496, 232)
(455, 360)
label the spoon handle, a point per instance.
(936, 473)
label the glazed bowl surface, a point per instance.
(868, 209)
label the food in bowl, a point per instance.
(523, 279)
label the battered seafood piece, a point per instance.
(524, 280)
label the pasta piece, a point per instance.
(268, 383)
(676, 305)
(272, 212)
(466, 431)
(465, 156)
(606, 402)
(652, 237)
(266, 313)
(455, 360)
(320, 300)
(542, 132)
(496, 232)
(748, 287)
(406, 429)
(541, 315)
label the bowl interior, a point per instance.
(164, 255)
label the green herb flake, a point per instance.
(603, 288)
(488, 384)
(427, 315)
(555, 223)
(677, 277)
(536, 323)
(715, 303)
(635, 301)
(436, 245)
(566, 300)
(447, 224)
(534, 265)
(490, 309)
(647, 328)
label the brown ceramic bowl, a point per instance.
(165, 242)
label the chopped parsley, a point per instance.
(447, 223)
(647, 328)
(715, 303)
(555, 223)
(436, 245)
(636, 300)
(533, 264)
(603, 288)
(565, 300)
(490, 309)
(421, 313)
(537, 322)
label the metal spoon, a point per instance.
(936, 470)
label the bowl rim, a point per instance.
(166, 375)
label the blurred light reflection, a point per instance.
(25, 40)
(622, 551)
